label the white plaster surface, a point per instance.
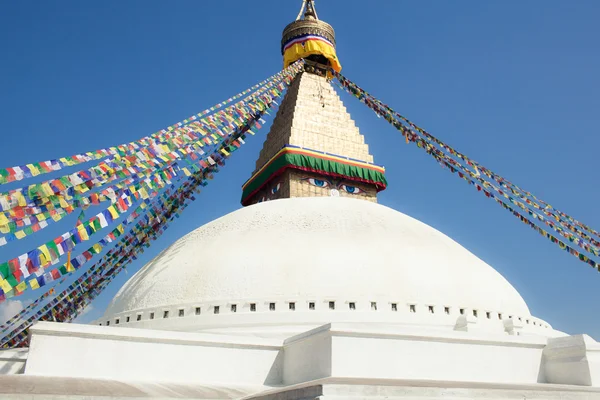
(342, 350)
(316, 249)
(27, 387)
(573, 360)
(83, 351)
(12, 361)
(407, 356)
(390, 389)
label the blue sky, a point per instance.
(512, 84)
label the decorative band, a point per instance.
(292, 157)
(304, 38)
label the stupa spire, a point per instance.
(309, 10)
(309, 38)
(313, 148)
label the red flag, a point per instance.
(15, 269)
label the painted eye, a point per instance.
(351, 189)
(276, 188)
(318, 182)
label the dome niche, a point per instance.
(335, 259)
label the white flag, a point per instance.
(23, 265)
(102, 218)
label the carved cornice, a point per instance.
(308, 27)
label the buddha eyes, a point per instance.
(276, 188)
(325, 184)
(351, 189)
(318, 182)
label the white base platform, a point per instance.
(350, 361)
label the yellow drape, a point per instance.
(308, 48)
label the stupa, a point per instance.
(329, 294)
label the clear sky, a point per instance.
(513, 84)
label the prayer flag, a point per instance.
(82, 233)
(34, 284)
(102, 220)
(5, 286)
(21, 287)
(113, 212)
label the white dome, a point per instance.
(319, 250)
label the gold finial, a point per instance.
(309, 38)
(311, 12)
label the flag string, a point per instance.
(428, 142)
(154, 219)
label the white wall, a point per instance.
(307, 357)
(69, 350)
(340, 350)
(12, 361)
(363, 351)
(430, 359)
(573, 360)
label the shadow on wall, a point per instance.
(275, 375)
(12, 367)
(541, 375)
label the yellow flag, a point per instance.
(5, 286)
(33, 169)
(47, 189)
(20, 234)
(82, 232)
(113, 212)
(21, 199)
(82, 188)
(21, 286)
(34, 284)
(46, 253)
(3, 219)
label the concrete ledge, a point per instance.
(13, 361)
(152, 336)
(366, 389)
(95, 352)
(421, 334)
(573, 360)
(364, 352)
(42, 388)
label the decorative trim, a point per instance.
(311, 27)
(303, 38)
(293, 157)
(310, 44)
